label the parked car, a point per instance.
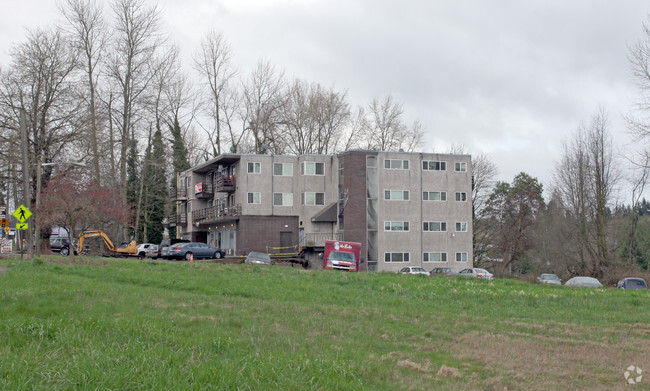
(60, 245)
(152, 252)
(258, 259)
(632, 283)
(584, 282)
(142, 249)
(413, 270)
(163, 247)
(443, 271)
(476, 272)
(194, 249)
(548, 278)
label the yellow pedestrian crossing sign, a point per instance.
(22, 213)
(22, 226)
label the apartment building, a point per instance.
(404, 208)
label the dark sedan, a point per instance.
(193, 250)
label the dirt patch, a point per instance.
(546, 362)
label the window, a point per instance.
(283, 169)
(434, 257)
(313, 168)
(311, 199)
(283, 199)
(434, 166)
(461, 257)
(434, 226)
(392, 164)
(461, 227)
(434, 196)
(254, 198)
(461, 196)
(396, 257)
(254, 168)
(396, 225)
(397, 195)
(460, 166)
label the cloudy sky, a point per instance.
(512, 79)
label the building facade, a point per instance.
(406, 209)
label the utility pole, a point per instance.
(27, 194)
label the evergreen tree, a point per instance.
(180, 163)
(156, 187)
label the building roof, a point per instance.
(327, 215)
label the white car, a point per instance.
(142, 250)
(413, 270)
(548, 278)
(583, 282)
(476, 272)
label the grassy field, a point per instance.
(132, 325)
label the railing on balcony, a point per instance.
(177, 219)
(318, 239)
(178, 194)
(207, 191)
(216, 213)
(225, 184)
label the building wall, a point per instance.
(260, 233)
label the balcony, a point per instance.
(318, 239)
(216, 213)
(177, 220)
(179, 194)
(204, 189)
(225, 184)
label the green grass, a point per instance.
(132, 325)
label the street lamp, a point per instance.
(37, 228)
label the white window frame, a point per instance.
(405, 257)
(284, 170)
(255, 195)
(287, 199)
(441, 164)
(460, 225)
(391, 195)
(305, 169)
(460, 166)
(427, 255)
(394, 226)
(461, 255)
(426, 196)
(402, 163)
(461, 196)
(315, 197)
(257, 167)
(427, 225)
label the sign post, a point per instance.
(22, 214)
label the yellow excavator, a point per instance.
(130, 249)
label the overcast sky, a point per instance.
(512, 79)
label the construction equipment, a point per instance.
(130, 249)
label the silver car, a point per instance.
(476, 272)
(548, 278)
(413, 270)
(583, 282)
(256, 258)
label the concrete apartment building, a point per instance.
(406, 209)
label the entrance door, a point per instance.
(286, 239)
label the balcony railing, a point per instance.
(179, 193)
(177, 219)
(318, 239)
(216, 213)
(225, 184)
(207, 191)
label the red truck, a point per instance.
(340, 255)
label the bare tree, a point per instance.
(585, 179)
(264, 100)
(215, 67)
(89, 36)
(385, 130)
(484, 173)
(136, 39)
(313, 118)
